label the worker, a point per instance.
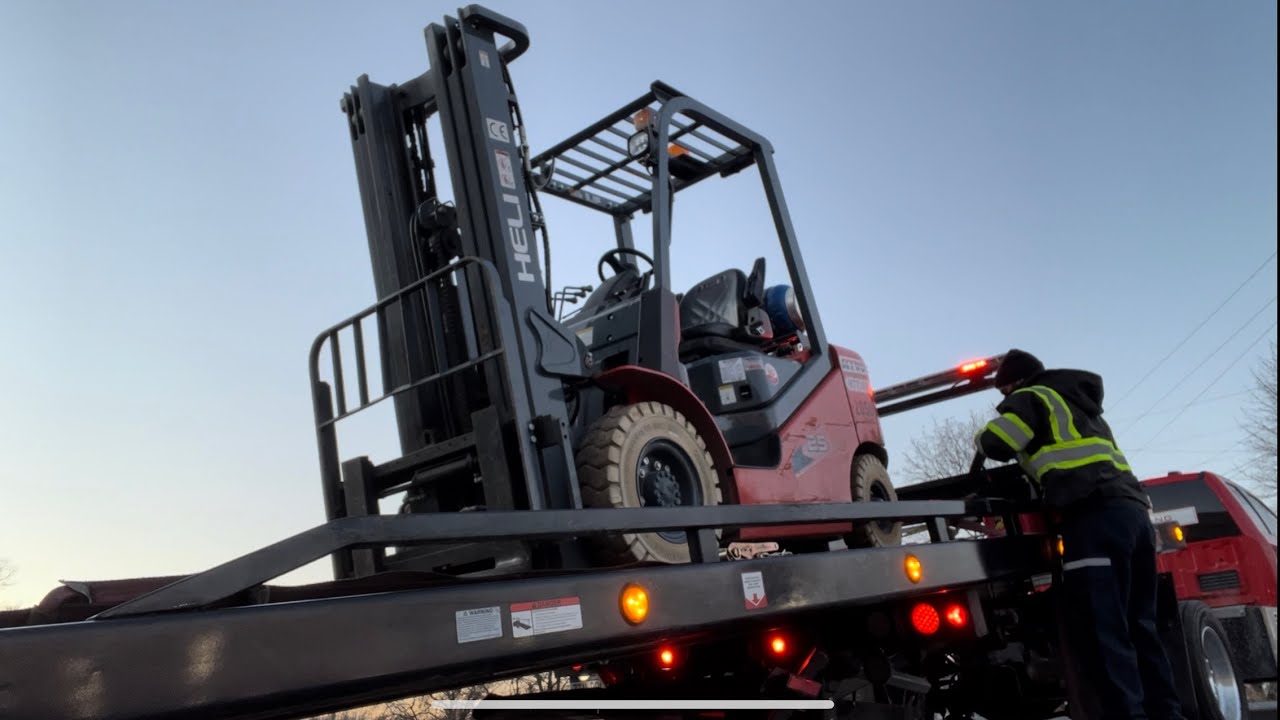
(1051, 422)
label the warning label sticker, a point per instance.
(728, 395)
(506, 172)
(732, 371)
(545, 616)
(478, 624)
(753, 594)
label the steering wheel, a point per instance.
(611, 258)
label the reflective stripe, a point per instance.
(1087, 562)
(1010, 428)
(1059, 413)
(1069, 449)
(1074, 454)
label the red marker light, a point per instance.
(957, 616)
(974, 366)
(667, 657)
(778, 644)
(924, 618)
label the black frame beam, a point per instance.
(293, 659)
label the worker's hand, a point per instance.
(975, 468)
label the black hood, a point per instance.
(1081, 388)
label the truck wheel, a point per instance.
(1218, 692)
(869, 481)
(645, 455)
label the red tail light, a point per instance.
(957, 616)
(667, 658)
(924, 618)
(778, 645)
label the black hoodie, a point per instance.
(1082, 391)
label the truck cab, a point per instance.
(1229, 562)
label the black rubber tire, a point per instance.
(869, 482)
(608, 462)
(1197, 620)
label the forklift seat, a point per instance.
(714, 314)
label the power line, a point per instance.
(1197, 367)
(1166, 411)
(1233, 448)
(1261, 337)
(1194, 330)
(1180, 440)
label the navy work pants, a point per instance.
(1108, 605)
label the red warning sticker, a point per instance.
(545, 616)
(753, 593)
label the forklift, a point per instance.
(726, 392)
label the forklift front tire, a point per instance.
(869, 482)
(645, 455)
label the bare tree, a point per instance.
(541, 683)
(421, 707)
(343, 715)
(7, 571)
(945, 450)
(1259, 426)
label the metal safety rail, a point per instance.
(167, 655)
(355, 487)
(596, 168)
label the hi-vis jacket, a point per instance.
(1054, 427)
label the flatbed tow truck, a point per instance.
(747, 576)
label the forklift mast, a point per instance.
(470, 353)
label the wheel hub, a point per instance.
(665, 477)
(1220, 675)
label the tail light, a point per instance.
(778, 645)
(925, 619)
(955, 615)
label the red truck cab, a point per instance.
(1229, 562)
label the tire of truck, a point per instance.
(644, 455)
(869, 482)
(1218, 692)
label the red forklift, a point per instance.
(727, 392)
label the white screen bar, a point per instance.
(634, 704)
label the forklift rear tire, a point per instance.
(645, 455)
(869, 482)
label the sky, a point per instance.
(179, 218)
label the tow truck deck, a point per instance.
(176, 653)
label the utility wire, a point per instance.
(1194, 330)
(1197, 367)
(1181, 440)
(1166, 411)
(1261, 337)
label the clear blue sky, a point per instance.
(179, 217)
